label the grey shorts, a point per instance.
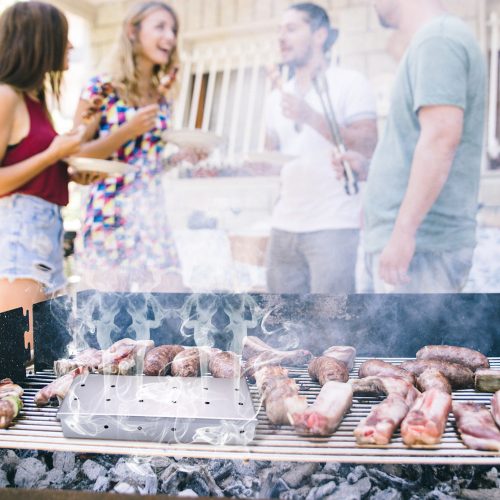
(314, 262)
(31, 241)
(429, 272)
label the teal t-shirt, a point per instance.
(442, 66)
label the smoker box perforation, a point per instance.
(38, 428)
(159, 409)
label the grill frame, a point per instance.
(38, 428)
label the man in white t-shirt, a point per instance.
(315, 224)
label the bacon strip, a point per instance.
(476, 426)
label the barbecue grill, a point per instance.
(378, 326)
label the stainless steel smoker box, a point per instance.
(159, 409)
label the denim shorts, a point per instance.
(31, 241)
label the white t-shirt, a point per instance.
(311, 196)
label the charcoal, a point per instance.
(4, 482)
(278, 488)
(346, 491)
(490, 478)
(252, 483)
(356, 474)
(55, 478)
(296, 475)
(480, 494)
(321, 492)
(101, 484)
(383, 479)
(197, 483)
(125, 489)
(388, 494)
(220, 469)
(93, 470)
(29, 472)
(71, 477)
(187, 493)
(139, 475)
(238, 490)
(63, 460)
(436, 494)
(10, 459)
(332, 468)
(262, 464)
(247, 468)
(319, 479)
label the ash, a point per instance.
(244, 479)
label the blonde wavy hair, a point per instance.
(121, 65)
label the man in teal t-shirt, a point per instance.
(421, 197)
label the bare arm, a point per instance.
(15, 176)
(441, 131)
(104, 147)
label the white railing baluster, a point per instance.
(249, 128)
(183, 95)
(493, 143)
(195, 100)
(235, 118)
(226, 76)
(212, 77)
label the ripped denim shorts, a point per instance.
(31, 241)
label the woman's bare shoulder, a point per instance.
(8, 95)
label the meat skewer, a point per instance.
(389, 386)
(426, 420)
(324, 416)
(10, 402)
(344, 353)
(324, 368)
(281, 398)
(379, 368)
(253, 346)
(381, 423)
(225, 364)
(459, 376)
(186, 363)
(476, 426)
(453, 354)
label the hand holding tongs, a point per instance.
(321, 86)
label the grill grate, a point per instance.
(38, 428)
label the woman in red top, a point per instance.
(33, 179)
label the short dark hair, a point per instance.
(318, 18)
(34, 39)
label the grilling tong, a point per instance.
(320, 84)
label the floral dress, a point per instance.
(125, 223)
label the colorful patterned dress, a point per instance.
(125, 223)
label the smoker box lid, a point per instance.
(143, 396)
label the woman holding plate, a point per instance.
(33, 177)
(126, 242)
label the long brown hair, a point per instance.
(33, 41)
(121, 65)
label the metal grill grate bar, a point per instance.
(38, 428)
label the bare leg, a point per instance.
(21, 293)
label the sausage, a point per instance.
(158, 360)
(379, 368)
(225, 365)
(453, 354)
(459, 376)
(186, 363)
(325, 368)
(344, 353)
(433, 379)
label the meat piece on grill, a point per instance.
(8, 388)
(459, 376)
(159, 359)
(125, 357)
(381, 423)
(433, 379)
(281, 399)
(58, 388)
(225, 364)
(389, 386)
(9, 409)
(254, 364)
(495, 407)
(324, 416)
(476, 426)
(89, 358)
(266, 374)
(379, 368)
(186, 363)
(253, 346)
(344, 353)
(426, 420)
(487, 380)
(325, 368)
(453, 354)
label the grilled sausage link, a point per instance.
(186, 363)
(433, 379)
(453, 354)
(379, 368)
(459, 376)
(325, 368)
(159, 359)
(225, 364)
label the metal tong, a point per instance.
(320, 84)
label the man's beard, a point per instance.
(303, 59)
(384, 21)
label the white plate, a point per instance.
(186, 138)
(95, 165)
(270, 157)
